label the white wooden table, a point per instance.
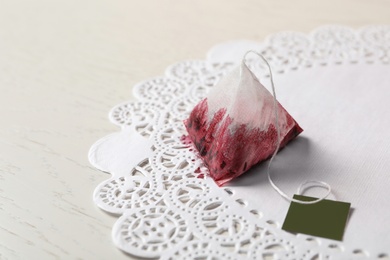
(64, 64)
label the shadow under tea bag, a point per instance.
(233, 128)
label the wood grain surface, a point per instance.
(64, 64)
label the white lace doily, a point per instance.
(166, 211)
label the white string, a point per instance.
(284, 195)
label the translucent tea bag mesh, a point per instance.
(233, 128)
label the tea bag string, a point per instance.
(305, 183)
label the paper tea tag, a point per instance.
(326, 218)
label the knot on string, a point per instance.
(274, 186)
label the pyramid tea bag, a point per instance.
(233, 128)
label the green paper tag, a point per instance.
(326, 218)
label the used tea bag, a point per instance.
(233, 128)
